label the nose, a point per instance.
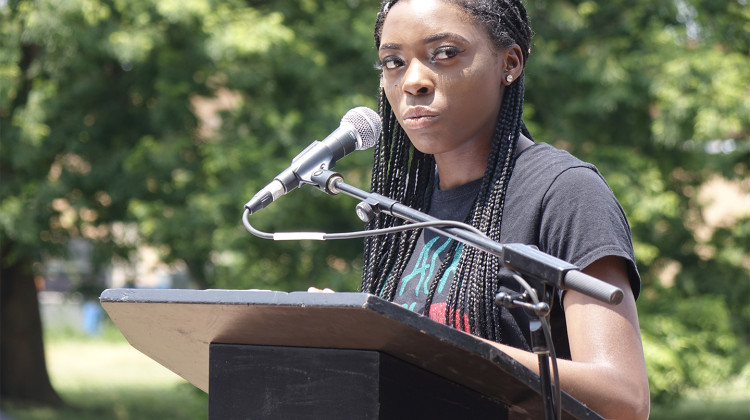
(418, 79)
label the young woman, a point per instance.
(454, 145)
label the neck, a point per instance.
(462, 169)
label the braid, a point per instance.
(403, 174)
(408, 176)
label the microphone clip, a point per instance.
(325, 180)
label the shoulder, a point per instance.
(543, 172)
(550, 154)
(564, 206)
(562, 181)
(542, 163)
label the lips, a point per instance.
(418, 117)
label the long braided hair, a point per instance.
(405, 174)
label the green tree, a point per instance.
(166, 117)
(645, 90)
(99, 133)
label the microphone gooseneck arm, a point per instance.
(522, 258)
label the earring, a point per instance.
(509, 78)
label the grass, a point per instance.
(730, 401)
(104, 378)
(691, 409)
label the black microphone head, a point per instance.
(366, 123)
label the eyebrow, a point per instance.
(432, 38)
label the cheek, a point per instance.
(390, 91)
(475, 95)
(392, 94)
(475, 106)
(491, 88)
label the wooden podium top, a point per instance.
(176, 326)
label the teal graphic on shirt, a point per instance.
(424, 270)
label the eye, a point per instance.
(445, 53)
(390, 62)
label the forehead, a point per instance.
(415, 18)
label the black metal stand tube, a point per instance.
(539, 346)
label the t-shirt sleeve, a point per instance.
(582, 222)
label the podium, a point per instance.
(277, 355)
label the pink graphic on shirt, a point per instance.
(437, 313)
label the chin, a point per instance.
(427, 147)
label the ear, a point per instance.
(512, 64)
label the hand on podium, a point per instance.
(312, 289)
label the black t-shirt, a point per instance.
(555, 202)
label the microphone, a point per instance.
(359, 130)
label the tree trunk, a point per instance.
(197, 272)
(23, 369)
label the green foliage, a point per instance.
(102, 128)
(643, 89)
(167, 116)
(688, 343)
(693, 99)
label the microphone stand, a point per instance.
(539, 343)
(521, 258)
(524, 259)
(550, 272)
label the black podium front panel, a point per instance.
(270, 382)
(177, 327)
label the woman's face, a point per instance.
(442, 76)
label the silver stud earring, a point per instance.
(509, 78)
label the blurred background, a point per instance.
(133, 132)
